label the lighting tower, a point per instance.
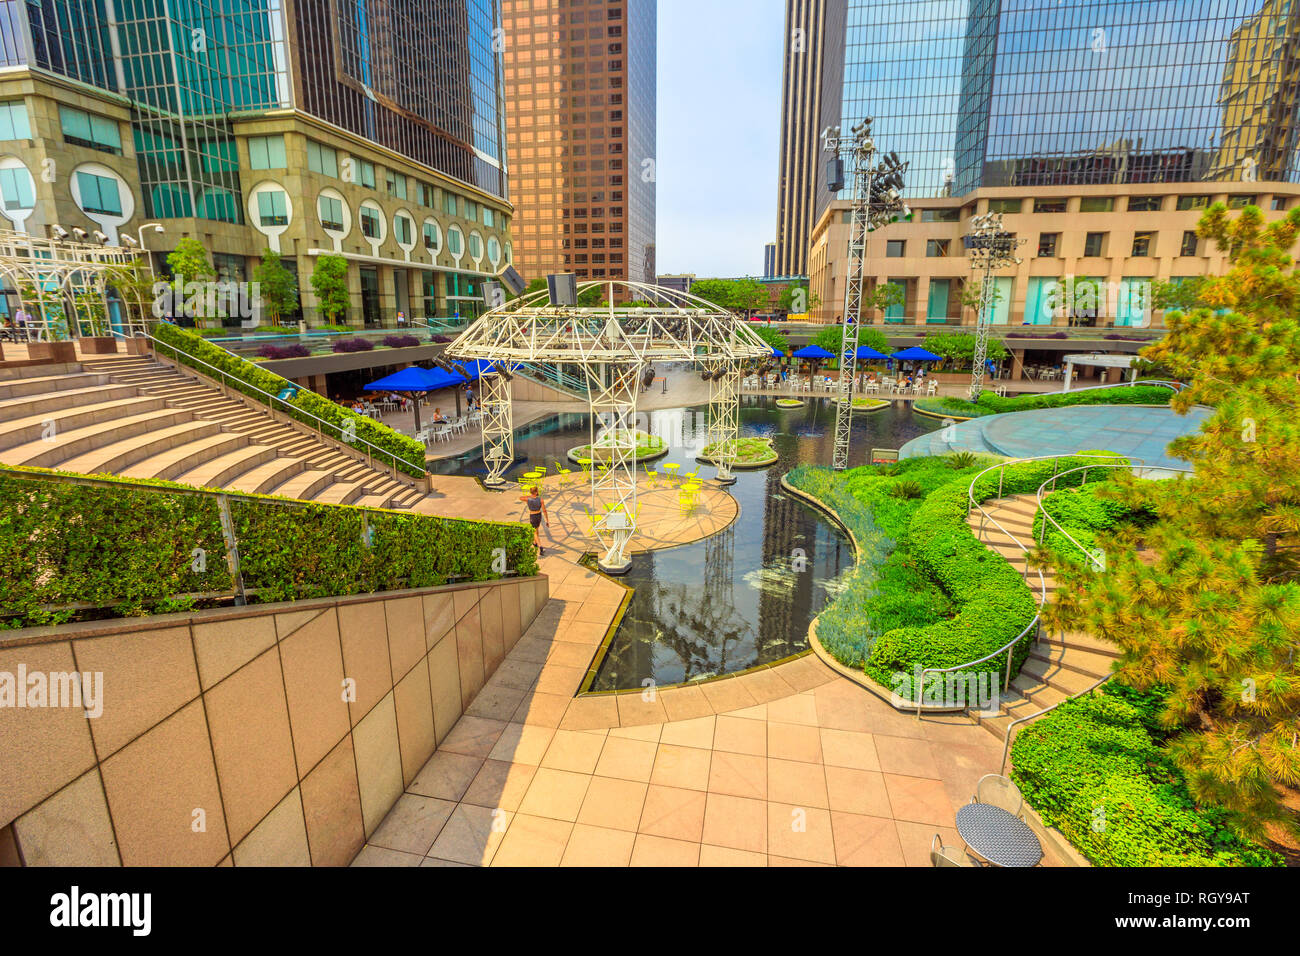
(877, 201)
(988, 246)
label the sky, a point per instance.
(719, 107)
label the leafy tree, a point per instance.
(188, 262)
(773, 338)
(329, 280)
(831, 338)
(1207, 599)
(718, 291)
(971, 294)
(1183, 296)
(796, 299)
(748, 295)
(277, 286)
(959, 347)
(537, 285)
(592, 296)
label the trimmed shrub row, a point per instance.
(1083, 513)
(926, 592)
(991, 404)
(1095, 769)
(247, 377)
(68, 548)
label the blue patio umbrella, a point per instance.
(416, 379)
(777, 353)
(867, 352)
(813, 352)
(916, 354)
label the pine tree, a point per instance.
(1206, 601)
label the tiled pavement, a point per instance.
(791, 765)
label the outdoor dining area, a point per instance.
(993, 829)
(418, 384)
(867, 382)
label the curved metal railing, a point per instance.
(372, 451)
(1040, 509)
(985, 518)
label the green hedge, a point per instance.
(1083, 513)
(1094, 768)
(926, 592)
(991, 404)
(248, 377)
(132, 550)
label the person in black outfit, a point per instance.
(536, 514)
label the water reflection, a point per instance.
(746, 595)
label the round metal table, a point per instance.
(998, 836)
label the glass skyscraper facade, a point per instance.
(985, 93)
(423, 80)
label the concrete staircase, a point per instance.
(1059, 665)
(135, 417)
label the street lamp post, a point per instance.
(989, 247)
(877, 201)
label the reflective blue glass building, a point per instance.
(986, 93)
(374, 129)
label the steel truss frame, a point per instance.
(988, 247)
(861, 153)
(613, 344)
(724, 415)
(74, 276)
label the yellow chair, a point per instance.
(687, 501)
(564, 474)
(690, 475)
(651, 477)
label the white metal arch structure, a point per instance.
(64, 284)
(613, 344)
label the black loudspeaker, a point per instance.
(493, 294)
(835, 174)
(563, 288)
(513, 280)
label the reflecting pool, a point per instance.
(746, 595)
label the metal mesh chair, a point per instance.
(998, 791)
(941, 855)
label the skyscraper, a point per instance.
(1143, 110)
(580, 90)
(373, 130)
(801, 86)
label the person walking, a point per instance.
(537, 513)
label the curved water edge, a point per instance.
(742, 598)
(858, 677)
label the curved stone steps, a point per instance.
(1059, 666)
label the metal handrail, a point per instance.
(1009, 647)
(371, 448)
(1084, 468)
(1006, 741)
(1163, 383)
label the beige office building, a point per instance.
(1105, 242)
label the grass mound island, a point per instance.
(750, 453)
(648, 447)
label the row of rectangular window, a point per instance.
(1048, 245)
(1135, 204)
(324, 160)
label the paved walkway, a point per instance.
(786, 765)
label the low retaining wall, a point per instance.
(279, 734)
